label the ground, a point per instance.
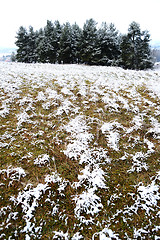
(80, 152)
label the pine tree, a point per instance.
(22, 44)
(109, 44)
(65, 53)
(126, 53)
(40, 46)
(76, 43)
(144, 52)
(90, 50)
(32, 54)
(49, 42)
(58, 32)
(135, 49)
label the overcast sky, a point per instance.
(14, 13)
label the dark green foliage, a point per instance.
(22, 44)
(135, 50)
(89, 45)
(49, 36)
(26, 43)
(67, 43)
(40, 46)
(109, 44)
(32, 36)
(58, 32)
(76, 43)
(65, 52)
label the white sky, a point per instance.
(14, 13)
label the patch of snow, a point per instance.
(146, 199)
(42, 160)
(28, 199)
(156, 127)
(41, 96)
(149, 195)
(137, 233)
(13, 173)
(105, 234)
(112, 134)
(22, 118)
(138, 163)
(60, 235)
(66, 91)
(137, 121)
(4, 109)
(154, 84)
(53, 178)
(51, 93)
(3, 145)
(150, 146)
(65, 108)
(87, 203)
(78, 129)
(110, 102)
(77, 236)
(94, 177)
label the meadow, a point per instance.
(79, 152)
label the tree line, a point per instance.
(56, 43)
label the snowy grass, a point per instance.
(80, 152)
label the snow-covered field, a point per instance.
(80, 152)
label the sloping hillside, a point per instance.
(79, 152)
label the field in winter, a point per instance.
(79, 152)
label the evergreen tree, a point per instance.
(22, 44)
(76, 43)
(126, 53)
(65, 53)
(49, 42)
(32, 54)
(40, 46)
(144, 52)
(109, 45)
(58, 32)
(90, 50)
(26, 43)
(135, 49)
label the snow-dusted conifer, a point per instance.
(50, 40)
(58, 32)
(40, 46)
(32, 54)
(76, 42)
(109, 44)
(135, 49)
(22, 44)
(65, 53)
(89, 45)
(26, 43)
(70, 44)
